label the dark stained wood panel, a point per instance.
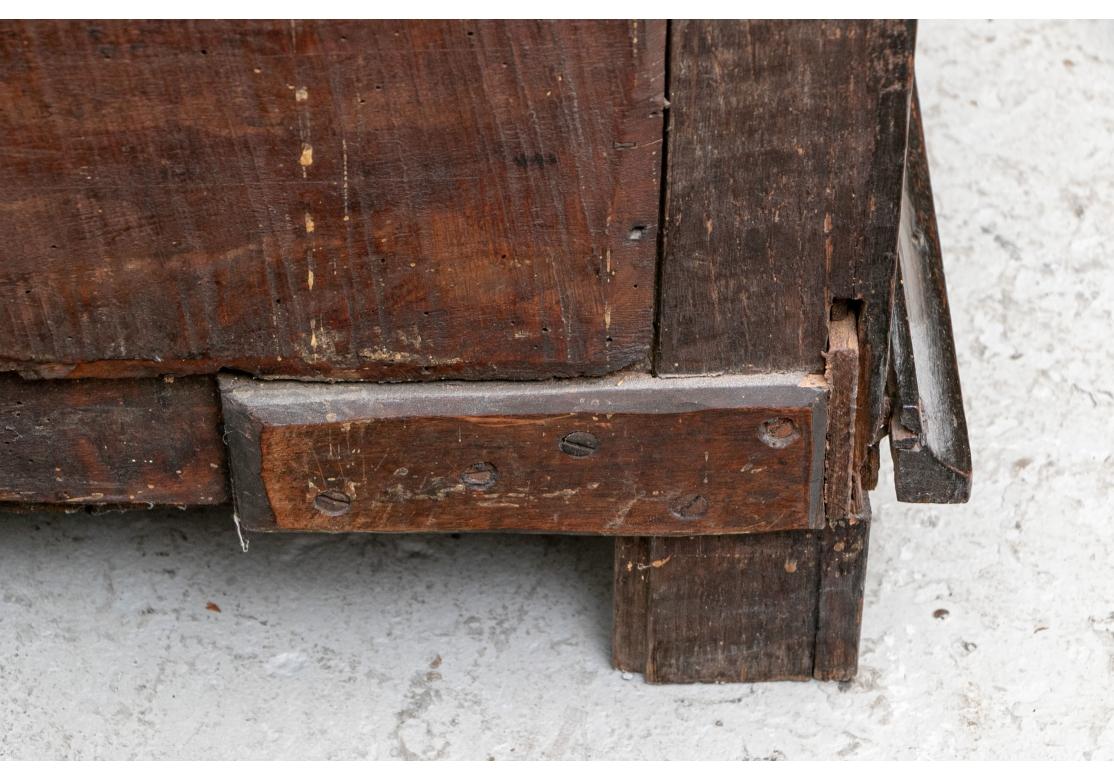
(841, 549)
(145, 441)
(614, 456)
(716, 608)
(786, 151)
(928, 431)
(842, 552)
(376, 200)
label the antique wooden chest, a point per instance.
(671, 282)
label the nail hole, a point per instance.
(479, 476)
(690, 507)
(778, 432)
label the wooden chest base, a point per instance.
(667, 281)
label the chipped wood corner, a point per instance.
(844, 448)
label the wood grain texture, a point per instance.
(786, 146)
(841, 547)
(716, 609)
(786, 149)
(781, 606)
(844, 449)
(375, 200)
(842, 551)
(615, 456)
(928, 439)
(111, 442)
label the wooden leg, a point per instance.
(717, 608)
(779, 606)
(843, 553)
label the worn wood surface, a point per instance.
(928, 431)
(615, 456)
(716, 609)
(785, 152)
(786, 146)
(733, 608)
(378, 200)
(842, 552)
(841, 548)
(111, 442)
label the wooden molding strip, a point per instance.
(617, 456)
(928, 428)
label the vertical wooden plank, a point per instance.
(711, 621)
(785, 151)
(844, 454)
(786, 145)
(928, 430)
(631, 600)
(843, 552)
(842, 546)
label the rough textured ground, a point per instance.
(497, 647)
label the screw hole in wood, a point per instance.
(480, 476)
(778, 432)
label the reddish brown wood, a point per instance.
(422, 200)
(378, 200)
(111, 442)
(844, 449)
(617, 456)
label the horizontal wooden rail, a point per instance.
(619, 456)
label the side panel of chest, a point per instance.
(321, 199)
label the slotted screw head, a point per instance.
(332, 502)
(579, 444)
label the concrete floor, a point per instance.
(498, 646)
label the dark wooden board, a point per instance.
(615, 456)
(786, 146)
(928, 438)
(785, 155)
(841, 547)
(374, 199)
(716, 609)
(144, 441)
(842, 552)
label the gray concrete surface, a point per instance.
(497, 646)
